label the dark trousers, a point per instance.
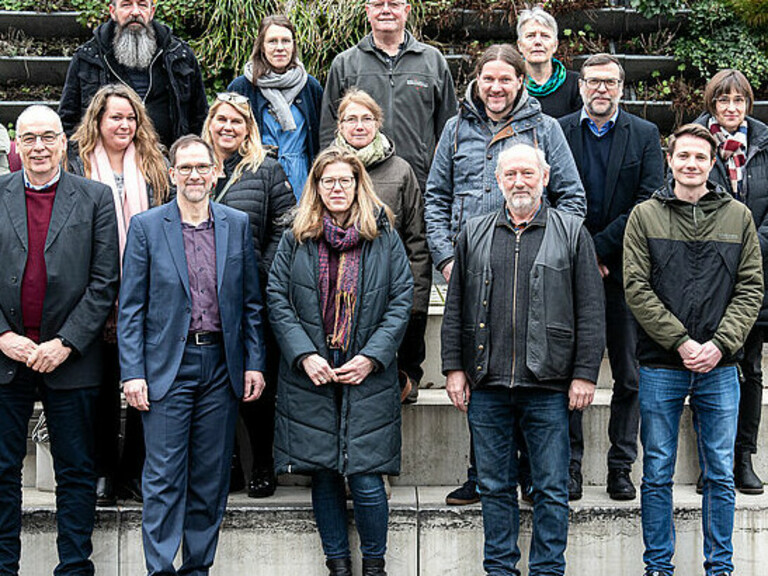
(751, 393)
(70, 415)
(108, 460)
(259, 415)
(413, 350)
(624, 423)
(189, 436)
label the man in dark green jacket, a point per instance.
(693, 279)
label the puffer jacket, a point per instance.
(755, 190)
(415, 92)
(691, 271)
(308, 102)
(93, 66)
(462, 181)
(395, 183)
(265, 196)
(358, 430)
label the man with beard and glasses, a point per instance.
(132, 49)
(496, 113)
(621, 164)
(522, 339)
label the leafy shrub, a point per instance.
(716, 40)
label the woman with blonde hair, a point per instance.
(116, 144)
(255, 183)
(339, 296)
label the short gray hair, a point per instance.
(38, 110)
(536, 14)
(507, 152)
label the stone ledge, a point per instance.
(277, 536)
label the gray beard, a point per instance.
(134, 49)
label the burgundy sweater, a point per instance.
(35, 280)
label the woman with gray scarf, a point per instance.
(284, 98)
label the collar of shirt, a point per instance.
(204, 225)
(51, 182)
(522, 225)
(388, 57)
(599, 132)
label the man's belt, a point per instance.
(204, 338)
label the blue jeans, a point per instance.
(543, 418)
(70, 416)
(329, 503)
(714, 400)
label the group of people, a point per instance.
(196, 281)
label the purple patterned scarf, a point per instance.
(346, 242)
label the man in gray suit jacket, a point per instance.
(189, 333)
(58, 282)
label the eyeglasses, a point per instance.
(736, 101)
(395, 6)
(594, 83)
(346, 182)
(354, 121)
(232, 97)
(202, 169)
(29, 139)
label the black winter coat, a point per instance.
(265, 195)
(175, 75)
(359, 433)
(755, 191)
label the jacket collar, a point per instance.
(715, 194)
(410, 44)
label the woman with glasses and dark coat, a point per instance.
(255, 183)
(741, 167)
(284, 98)
(339, 297)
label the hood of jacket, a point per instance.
(715, 197)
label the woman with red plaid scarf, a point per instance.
(742, 168)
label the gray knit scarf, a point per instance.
(281, 90)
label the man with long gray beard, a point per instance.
(133, 49)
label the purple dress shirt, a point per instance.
(200, 249)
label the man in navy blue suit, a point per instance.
(621, 164)
(189, 332)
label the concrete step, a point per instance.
(278, 537)
(436, 445)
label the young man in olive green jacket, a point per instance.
(693, 279)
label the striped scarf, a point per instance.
(346, 242)
(733, 150)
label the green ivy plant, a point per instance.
(716, 40)
(653, 8)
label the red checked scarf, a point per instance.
(346, 242)
(733, 150)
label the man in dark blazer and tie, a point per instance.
(59, 275)
(189, 333)
(620, 162)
